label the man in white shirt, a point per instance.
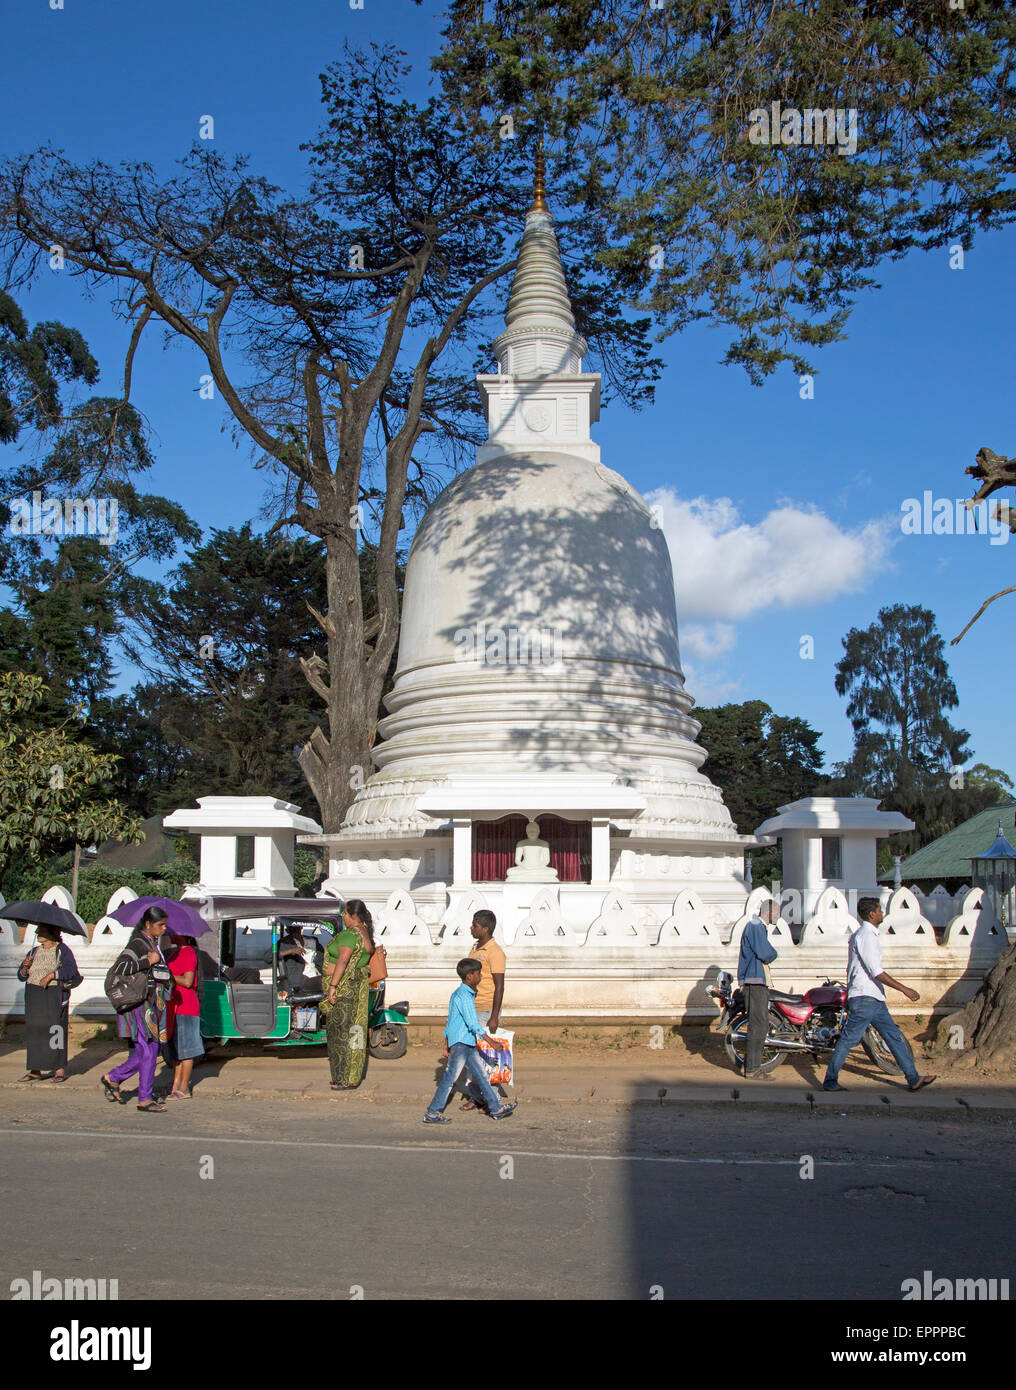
(866, 1006)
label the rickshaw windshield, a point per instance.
(222, 912)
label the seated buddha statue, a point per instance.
(532, 859)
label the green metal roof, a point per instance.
(1001, 849)
(149, 854)
(949, 856)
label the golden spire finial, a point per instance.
(539, 203)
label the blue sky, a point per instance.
(787, 510)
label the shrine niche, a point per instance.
(495, 845)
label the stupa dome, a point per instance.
(549, 542)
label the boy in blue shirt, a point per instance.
(462, 1032)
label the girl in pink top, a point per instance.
(185, 1012)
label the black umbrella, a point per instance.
(44, 915)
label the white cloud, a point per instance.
(711, 688)
(726, 569)
(707, 641)
(703, 645)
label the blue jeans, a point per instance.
(463, 1055)
(862, 1012)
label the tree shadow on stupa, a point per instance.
(540, 582)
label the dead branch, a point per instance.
(1001, 594)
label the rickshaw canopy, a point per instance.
(221, 907)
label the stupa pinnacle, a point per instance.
(539, 203)
(539, 336)
(540, 395)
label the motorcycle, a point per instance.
(809, 1022)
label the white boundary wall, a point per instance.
(624, 965)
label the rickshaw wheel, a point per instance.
(388, 1041)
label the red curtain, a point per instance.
(494, 847)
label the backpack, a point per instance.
(126, 992)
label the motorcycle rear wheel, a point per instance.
(879, 1053)
(736, 1042)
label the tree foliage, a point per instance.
(224, 642)
(899, 690)
(33, 364)
(53, 787)
(650, 111)
(906, 752)
(72, 521)
(72, 450)
(97, 882)
(758, 759)
(227, 707)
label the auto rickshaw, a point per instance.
(233, 1010)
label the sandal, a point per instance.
(153, 1106)
(31, 1076)
(59, 1076)
(179, 1095)
(469, 1105)
(113, 1093)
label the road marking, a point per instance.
(440, 1148)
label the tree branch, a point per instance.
(1001, 594)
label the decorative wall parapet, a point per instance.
(398, 921)
(627, 958)
(977, 924)
(544, 924)
(689, 921)
(455, 923)
(831, 923)
(618, 924)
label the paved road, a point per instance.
(318, 1199)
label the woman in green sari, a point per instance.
(345, 982)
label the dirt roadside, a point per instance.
(571, 1065)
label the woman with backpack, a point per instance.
(50, 972)
(145, 1023)
(345, 981)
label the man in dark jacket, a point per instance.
(757, 952)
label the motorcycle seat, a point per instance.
(782, 998)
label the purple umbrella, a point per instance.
(182, 919)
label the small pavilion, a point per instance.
(995, 872)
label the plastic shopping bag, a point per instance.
(499, 1061)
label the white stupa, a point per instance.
(539, 672)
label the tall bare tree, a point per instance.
(335, 326)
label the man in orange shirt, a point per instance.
(490, 990)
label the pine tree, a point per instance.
(758, 759)
(906, 751)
